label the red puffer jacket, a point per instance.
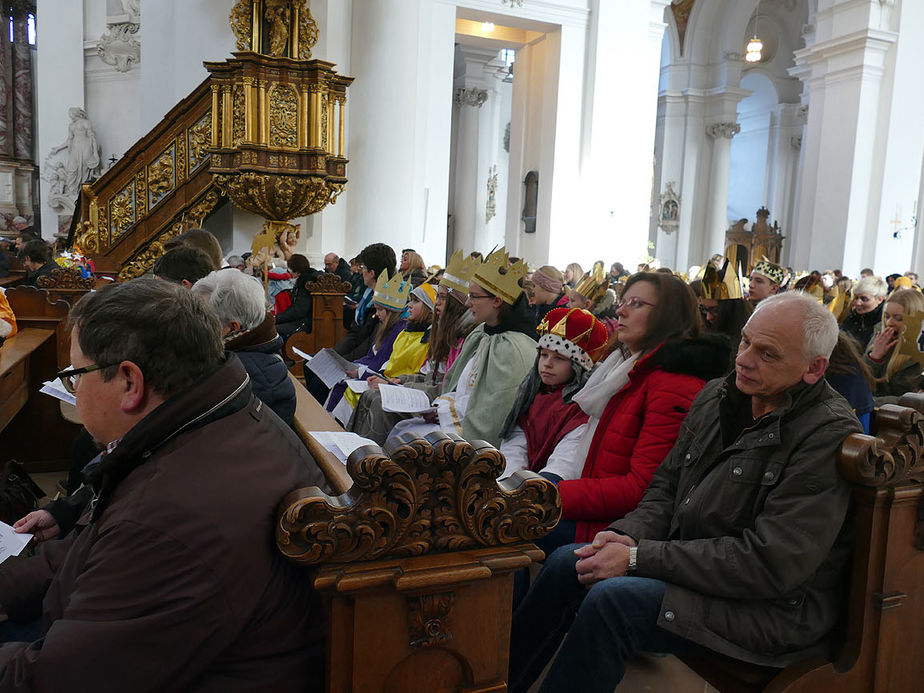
(638, 428)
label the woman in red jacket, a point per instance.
(636, 400)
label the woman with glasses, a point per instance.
(636, 400)
(482, 383)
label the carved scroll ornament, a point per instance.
(328, 283)
(433, 494)
(895, 454)
(65, 278)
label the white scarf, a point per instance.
(606, 380)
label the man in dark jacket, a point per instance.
(333, 264)
(740, 543)
(36, 258)
(174, 582)
(249, 331)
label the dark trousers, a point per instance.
(602, 628)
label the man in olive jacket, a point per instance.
(172, 580)
(740, 544)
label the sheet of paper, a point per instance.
(398, 399)
(357, 386)
(343, 411)
(56, 390)
(328, 365)
(299, 352)
(11, 543)
(342, 444)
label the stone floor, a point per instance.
(658, 675)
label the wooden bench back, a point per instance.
(34, 308)
(327, 293)
(417, 562)
(66, 283)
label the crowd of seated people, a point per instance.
(690, 422)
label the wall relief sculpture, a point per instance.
(669, 214)
(119, 46)
(70, 165)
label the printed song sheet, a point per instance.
(11, 543)
(341, 444)
(330, 366)
(56, 389)
(398, 399)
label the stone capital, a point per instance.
(726, 130)
(468, 96)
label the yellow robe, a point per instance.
(408, 355)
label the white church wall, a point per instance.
(60, 83)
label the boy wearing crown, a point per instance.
(495, 357)
(543, 431)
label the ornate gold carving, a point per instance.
(144, 259)
(428, 619)
(141, 196)
(122, 210)
(237, 115)
(162, 175)
(325, 124)
(199, 135)
(180, 159)
(86, 238)
(283, 101)
(327, 283)
(307, 32)
(682, 10)
(65, 278)
(278, 197)
(433, 494)
(241, 23)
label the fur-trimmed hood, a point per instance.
(705, 357)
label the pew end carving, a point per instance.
(417, 561)
(885, 606)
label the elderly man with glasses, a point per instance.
(171, 580)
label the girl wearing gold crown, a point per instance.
(495, 358)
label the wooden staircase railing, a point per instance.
(161, 187)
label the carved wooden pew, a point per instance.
(38, 434)
(327, 292)
(67, 284)
(416, 561)
(882, 639)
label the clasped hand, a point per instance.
(605, 557)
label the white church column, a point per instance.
(612, 202)
(717, 220)
(838, 199)
(60, 85)
(399, 118)
(468, 100)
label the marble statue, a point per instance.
(82, 163)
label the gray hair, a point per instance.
(819, 326)
(233, 295)
(873, 286)
(235, 260)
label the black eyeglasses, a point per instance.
(70, 377)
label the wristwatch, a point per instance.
(633, 560)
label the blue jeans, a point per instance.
(605, 626)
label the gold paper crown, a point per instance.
(497, 276)
(391, 293)
(593, 284)
(459, 272)
(721, 284)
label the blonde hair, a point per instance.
(913, 302)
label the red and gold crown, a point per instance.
(574, 333)
(497, 276)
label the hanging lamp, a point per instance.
(755, 45)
